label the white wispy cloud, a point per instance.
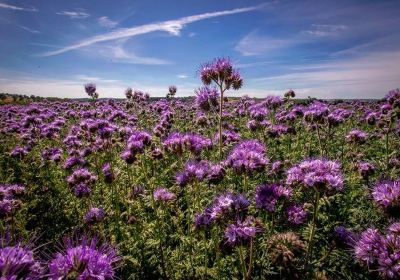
(322, 30)
(78, 14)
(106, 22)
(255, 44)
(182, 76)
(31, 30)
(367, 76)
(118, 54)
(173, 27)
(95, 79)
(17, 8)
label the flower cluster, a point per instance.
(222, 206)
(81, 180)
(91, 90)
(135, 145)
(380, 252)
(267, 195)
(18, 262)
(387, 193)
(162, 194)
(296, 214)
(247, 156)
(316, 173)
(221, 71)
(356, 136)
(241, 232)
(51, 154)
(84, 260)
(207, 98)
(9, 201)
(94, 215)
(179, 142)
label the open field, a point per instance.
(140, 189)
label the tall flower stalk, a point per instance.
(221, 72)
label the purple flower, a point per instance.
(365, 168)
(207, 98)
(91, 90)
(296, 214)
(242, 231)
(81, 179)
(247, 156)
(369, 246)
(162, 194)
(221, 70)
(315, 112)
(316, 173)
(9, 201)
(356, 136)
(84, 260)
(387, 193)
(345, 237)
(273, 101)
(108, 173)
(267, 195)
(18, 262)
(94, 215)
(51, 154)
(193, 171)
(73, 161)
(224, 205)
(380, 252)
(216, 174)
(178, 142)
(19, 152)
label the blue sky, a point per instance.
(325, 49)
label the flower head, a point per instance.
(296, 214)
(242, 231)
(18, 262)
(318, 173)
(267, 195)
(387, 193)
(162, 194)
(207, 98)
(84, 260)
(247, 156)
(94, 215)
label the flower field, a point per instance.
(209, 187)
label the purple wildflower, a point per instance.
(242, 231)
(387, 193)
(247, 156)
(162, 194)
(84, 260)
(296, 214)
(18, 262)
(356, 136)
(94, 215)
(318, 173)
(108, 173)
(207, 98)
(267, 195)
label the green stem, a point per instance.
(221, 102)
(310, 240)
(250, 260)
(242, 262)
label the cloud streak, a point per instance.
(17, 8)
(74, 14)
(106, 22)
(171, 26)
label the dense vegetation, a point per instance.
(205, 188)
